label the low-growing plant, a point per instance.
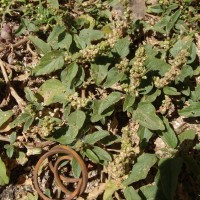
(121, 90)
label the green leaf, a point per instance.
(28, 122)
(63, 135)
(193, 110)
(181, 27)
(53, 4)
(102, 154)
(99, 72)
(141, 168)
(67, 135)
(53, 37)
(76, 119)
(5, 116)
(168, 135)
(185, 90)
(95, 137)
(111, 139)
(155, 9)
(76, 168)
(156, 64)
(64, 41)
(19, 120)
(186, 72)
(146, 88)
(92, 156)
(13, 137)
(85, 21)
(171, 7)
(110, 188)
(96, 116)
(49, 63)
(146, 116)
(144, 134)
(4, 179)
(52, 91)
(131, 194)
(9, 150)
(195, 96)
(160, 25)
(30, 95)
(113, 77)
(122, 47)
(47, 192)
(172, 21)
(80, 77)
(128, 102)
(187, 135)
(80, 43)
(27, 117)
(151, 50)
(111, 99)
(152, 192)
(193, 53)
(27, 24)
(40, 45)
(72, 76)
(151, 97)
(169, 172)
(104, 107)
(184, 43)
(67, 111)
(89, 35)
(170, 91)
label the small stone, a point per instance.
(6, 32)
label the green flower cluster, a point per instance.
(102, 48)
(31, 109)
(120, 166)
(92, 51)
(77, 102)
(123, 65)
(176, 66)
(137, 71)
(167, 106)
(47, 126)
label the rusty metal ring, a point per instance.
(59, 179)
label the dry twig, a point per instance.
(22, 41)
(3, 138)
(18, 99)
(6, 99)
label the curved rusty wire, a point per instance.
(66, 154)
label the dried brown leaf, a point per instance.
(138, 8)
